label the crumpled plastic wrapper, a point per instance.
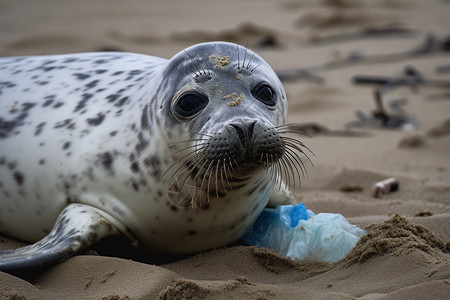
(298, 233)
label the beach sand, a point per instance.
(405, 254)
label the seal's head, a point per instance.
(231, 107)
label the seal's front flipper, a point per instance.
(77, 227)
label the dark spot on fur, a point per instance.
(48, 100)
(48, 62)
(121, 102)
(81, 76)
(134, 167)
(59, 104)
(47, 103)
(7, 127)
(90, 173)
(135, 185)
(134, 72)
(18, 177)
(42, 161)
(100, 71)
(66, 145)
(62, 124)
(70, 59)
(142, 144)
(144, 118)
(117, 73)
(97, 120)
(91, 84)
(192, 232)
(113, 133)
(27, 106)
(155, 163)
(106, 160)
(101, 61)
(39, 128)
(112, 98)
(82, 103)
(6, 85)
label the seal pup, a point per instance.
(178, 155)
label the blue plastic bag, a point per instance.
(295, 232)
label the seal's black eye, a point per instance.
(264, 93)
(190, 103)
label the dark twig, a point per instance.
(365, 33)
(431, 45)
(314, 129)
(399, 81)
(300, 74)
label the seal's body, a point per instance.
(179, 155)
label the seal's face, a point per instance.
(235, 106)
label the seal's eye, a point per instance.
(264, 93)
(190, 104)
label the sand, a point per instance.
(405, 254)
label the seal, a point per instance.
(178, 155)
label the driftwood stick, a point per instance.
(399, 81)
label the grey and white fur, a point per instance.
(178, 155)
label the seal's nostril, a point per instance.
(244, 131)
(240, 131)
(251, 127)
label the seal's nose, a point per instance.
(244, 131)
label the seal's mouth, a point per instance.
(216, 163)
